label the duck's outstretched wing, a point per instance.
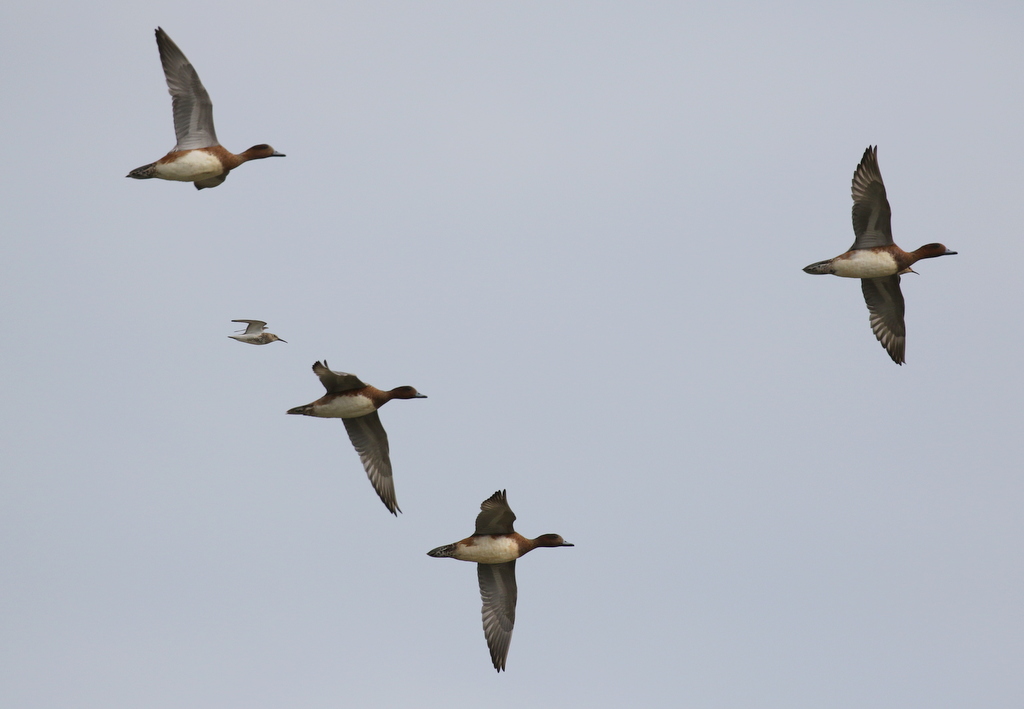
(191, 105)
(885, 304)
(872, 218)
(336, 382)
(498, 593)
(495, 515)
(371, 443)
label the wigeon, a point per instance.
(254, 334)
(875, 259)
(356, 404)
(198, 157)
(494, 547)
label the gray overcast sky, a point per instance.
(579, 228)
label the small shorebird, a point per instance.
(875, 259)
(356, 404)
(198, 157)
(495, 546)
(254, 334)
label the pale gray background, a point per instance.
(579, 228)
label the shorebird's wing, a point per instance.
(498, 593)
(371, 443)
(336, 382)
(885, 303)
(191, 105)
(495, 515)
(254, 327)
(872, 218)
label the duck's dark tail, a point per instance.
(820, 268)
(442, 552)
(143, 173)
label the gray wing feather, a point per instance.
(495, 516)
(872, 218)
(190, 104)
(886, 308)
(371, 443)
(336, 382)
(498, 593)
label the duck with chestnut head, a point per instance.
(356, 403)
(495, 546)
(198, 157)
(875, 259)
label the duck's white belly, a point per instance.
(192, 166)
(489, 550)
(865, 263)
(346, 407)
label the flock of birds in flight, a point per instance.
(199, 158)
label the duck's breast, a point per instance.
(488, 549)
(865, 263)
(189, 166)
(346, 406)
